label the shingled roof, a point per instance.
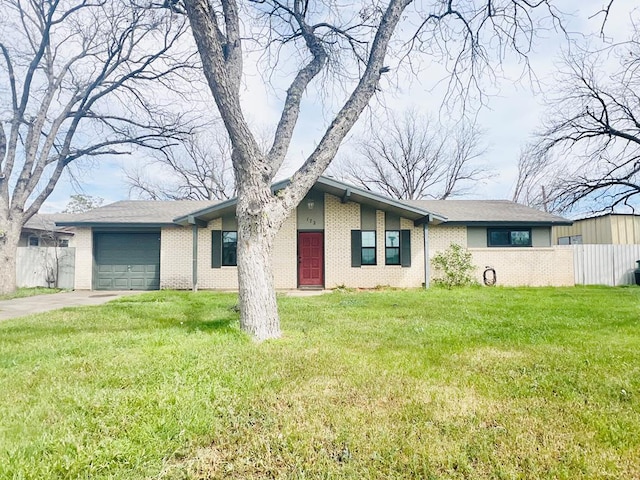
(137, 212)
(150, 213)
(46, 222)
(477, 212)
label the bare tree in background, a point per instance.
(413, 157)
(587, 154)
(533, 172)
(197, 168)
(349, 40)
(72, 80)
(81, 202)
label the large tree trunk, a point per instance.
(9, 237)
(257, 297)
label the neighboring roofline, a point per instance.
(42, 231)
(347, 189)
(612, 214)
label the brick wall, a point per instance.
(535, 267)
(514, 266)
(340, 219)
(284, 262)
(441, 237)
(285, 254)
(176, 254)
(213, 278)
(84, 258)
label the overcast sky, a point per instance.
(511, 115)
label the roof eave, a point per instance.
(508, 223)
(95, 224)
(206, 214)
(342, 190)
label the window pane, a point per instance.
(392, 238)
(34, 241)
(229, 237)
(504, 237)
(368, 256)
(499, 237)
(392, 256)
(520, 238)
(564, 240)
(368, 239)
(229, 248)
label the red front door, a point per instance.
(310, 259)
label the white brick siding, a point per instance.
(84, 258)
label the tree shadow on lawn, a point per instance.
(129, 315)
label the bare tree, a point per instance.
(197, 168)
(348, 39)
(72, 74)
(587, 154)
(412, 157)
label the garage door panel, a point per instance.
(138, 283)
(122, 284)
(105, 284)
(127, 261)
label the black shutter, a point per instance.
(356, 248)
(405, 248)
(216, 248)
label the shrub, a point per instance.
(453, 267)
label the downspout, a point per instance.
(191, 220)
(427, 265)
(194, 267)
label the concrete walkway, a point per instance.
(20, 307)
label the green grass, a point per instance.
(29, 292)
(475, 383)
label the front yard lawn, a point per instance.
(476, 383)
(23, 292)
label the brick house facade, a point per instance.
(361, 240)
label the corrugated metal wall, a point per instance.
(36, 265)
(616, 229)
(605, 264)
(625, 229)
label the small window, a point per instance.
(34, 241)
(63, 242)
(392, 247)
(505, 237)
(368, 248)
(229, 249)
(572, 240)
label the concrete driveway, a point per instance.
(20, 307)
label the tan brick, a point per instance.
(535, 267)
(84, 258)
(176, 254)
(340, 219)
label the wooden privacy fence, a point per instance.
(604, 264)
(46, 267)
